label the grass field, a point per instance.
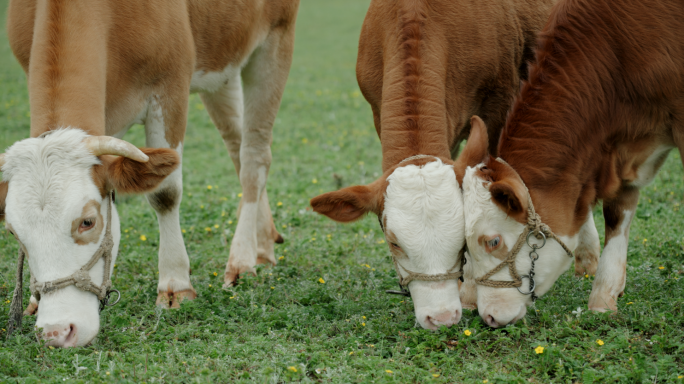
(322, 315)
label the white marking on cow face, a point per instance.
(485, 220)
(423, 218)
(50, 183)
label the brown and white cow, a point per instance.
(426, 67)
(94, 69)
(603, 107)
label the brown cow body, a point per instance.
(426, 67)
(603, 107)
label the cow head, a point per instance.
(56, 205)
(420, 207)
(497, 214)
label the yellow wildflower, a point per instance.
(143, 237)
(210, 285)
(183, 230)
(281, 258)
(586, 276)
(240, 194)
(208, 229)
(467, 332)
(208, 186)
(363, 324)
(107, 373)
(661, 267)
(363, 317)
(435, 375)
(280, 204)
(272, 287)
(351, 353)
(202, 206)
(388, 371)
(381, 241)
(284, 226)
(599, 342)
(305, 140)
(631, 302)
(320, 280)
(314, 180)
(230, 221)
(215, 274)
(216, 225)
(485, 381)
(293, 369)
(539, 350)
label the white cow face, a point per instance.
(423, 223)
(420, 205)
(56, 207)
(497, 210)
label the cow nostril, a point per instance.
(71, 338)
(491, 321)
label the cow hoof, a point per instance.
(31, 309)
(233, 274)
(172, 300)
(602, 303)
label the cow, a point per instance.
(602, 109)
(94, 69)
(426, 67)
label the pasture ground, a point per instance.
(286, 324)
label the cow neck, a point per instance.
(413, 116)
(67, 71)
(553, 138)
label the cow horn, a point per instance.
(107, 145)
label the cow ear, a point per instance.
(351, 203)
(3, 197)
(509, 199)
(130, 176)
(475, 150)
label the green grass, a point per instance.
(347, 329)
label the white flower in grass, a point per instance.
(578, 312)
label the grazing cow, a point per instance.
(94, 69)
(426, 67)
(603, 107)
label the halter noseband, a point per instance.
(81, 278)
(534, 227)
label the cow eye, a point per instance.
(493, 244)
(395, 245)
(87, 224)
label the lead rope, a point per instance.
(16, 307)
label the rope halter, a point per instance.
(81, 278)
(534, 227)
(411, 275)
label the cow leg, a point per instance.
(226, 109)
(264, 81)
(589, 248)
(174, 265)
(611, 273)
